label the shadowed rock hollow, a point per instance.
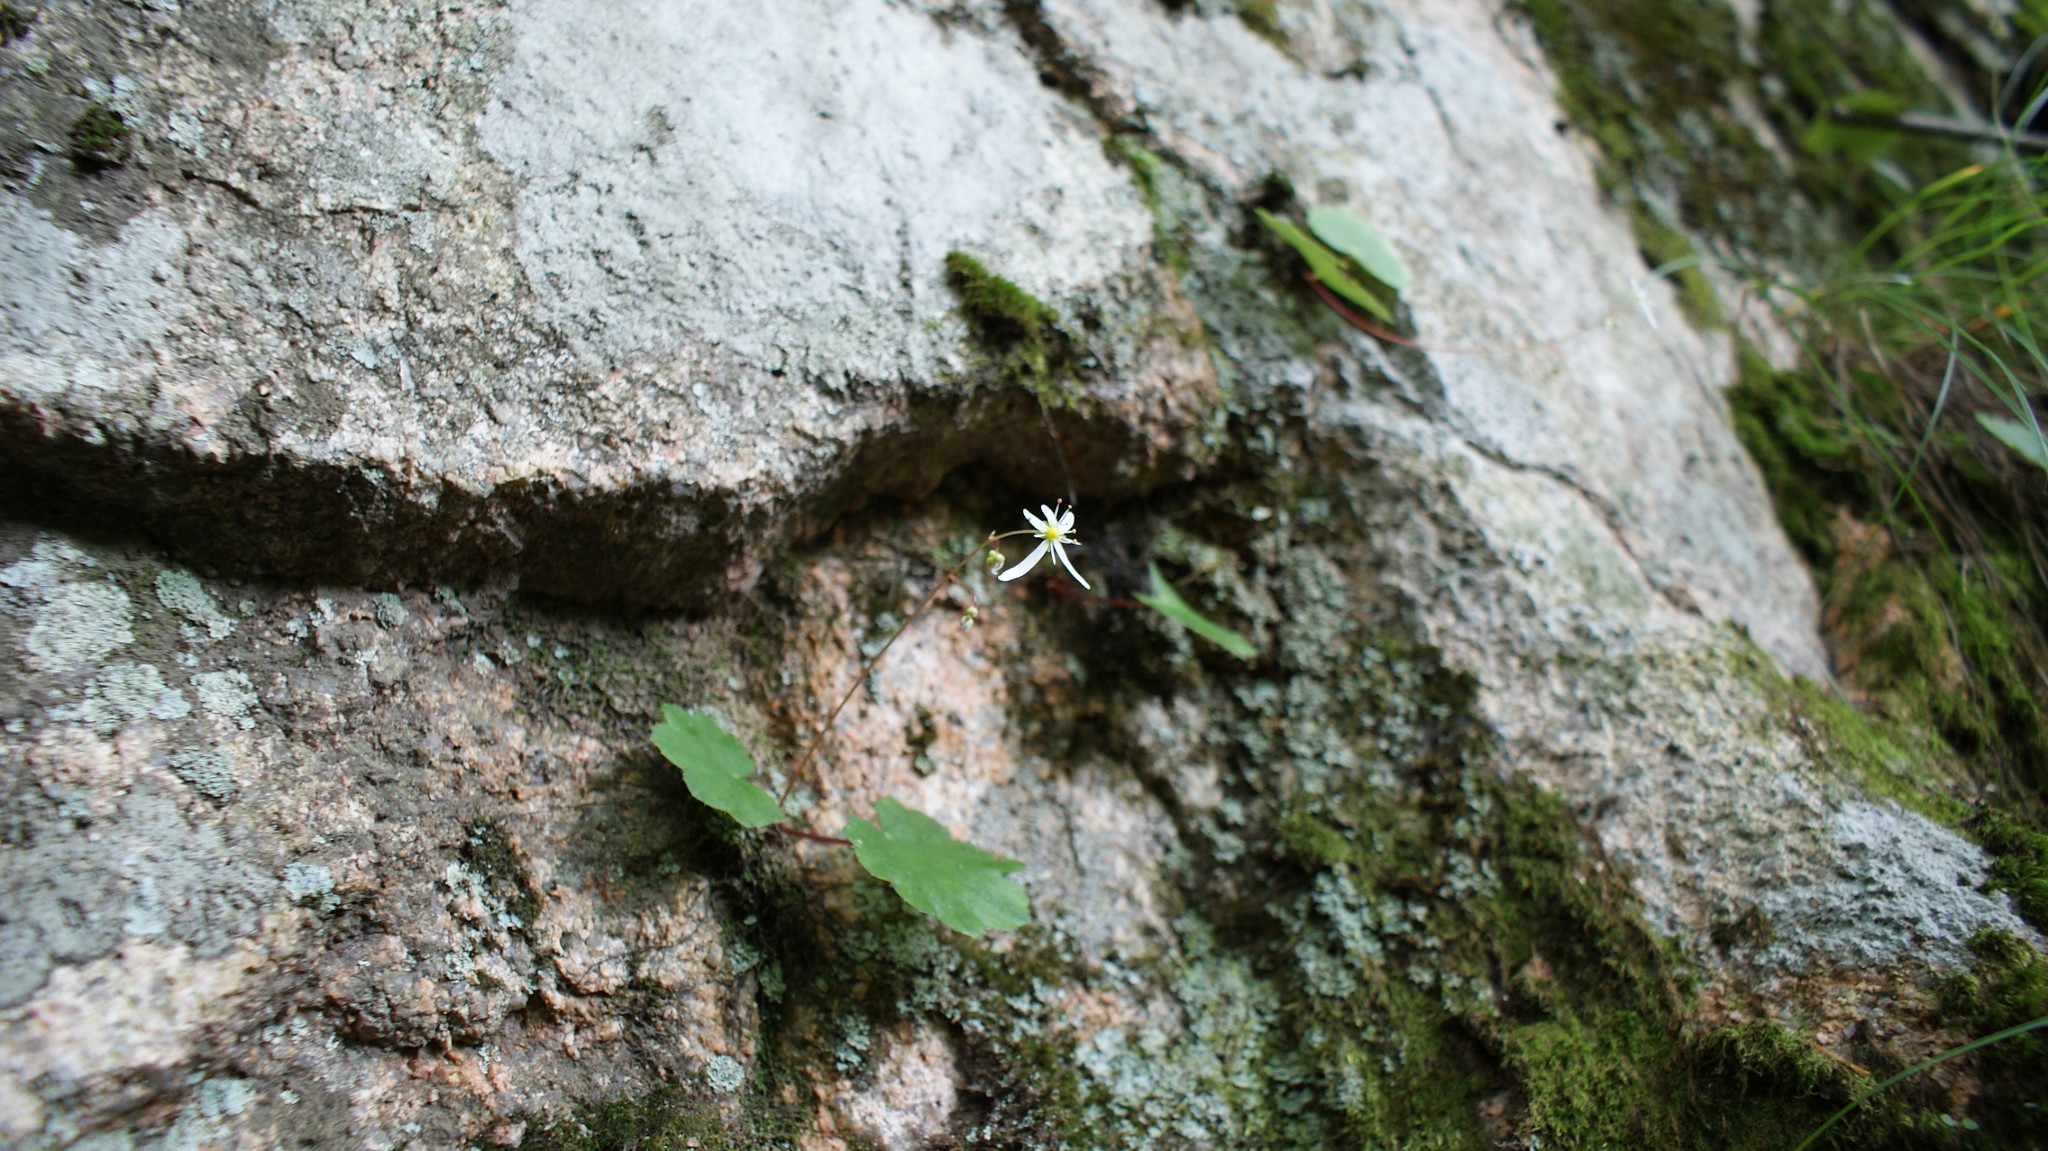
(428, 394)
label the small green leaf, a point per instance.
(715, 765)
(1167, 602)
(2017, 436)
(1355, 238)
(939, 875)
(1859, 140)
(1328, 266)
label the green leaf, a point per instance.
(1861, 142)
(2017, 436)
(715, 765)
(1167, 602)
(1355, 238)
(939, 875)
(1328, 266)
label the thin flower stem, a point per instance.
(1064, 592)
(938, 589)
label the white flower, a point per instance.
(1054, 532)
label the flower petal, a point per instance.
(1036, 523)
(1061, 554)
(1067, 522)
(1027, 563)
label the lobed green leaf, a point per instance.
(715, 765)
(1327, 265)
(1167, 602)
(964, 886)
(1345, 232)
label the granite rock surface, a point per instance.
(431, 392)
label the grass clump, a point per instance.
(1928, 537)
(2006, 986)
(1020, 332)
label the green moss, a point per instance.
(1657, 85)
(1428, 986)
(1886, 758)
(2019, 863)
(1158, 182)
(1020, 333)
(98, 139)
(1263, 18)
(1764, 1056)
(1810, 462)
(15, 22)
(1662, 245)
(490, 854)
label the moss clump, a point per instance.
(1521, 973)
(1760, 1056)
(1263, 18)
(1161, 186)
(1662, 244)
(673, 1119)
(2019, 863)
(15, 22)
(1020, 332)
(1663, 87)
(99, 139)
(2006, 986)
(1886, 757)
(490, 854)
(1451, 962)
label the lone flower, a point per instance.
(1054, 532)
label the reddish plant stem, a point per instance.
(1356, 320)
(938, 589)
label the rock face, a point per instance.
(450, 340)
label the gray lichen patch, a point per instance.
(130, 691)
(210, 773)
(191, 837)
(390, 610)
(724, 1074)
(78, 624)
(181, 591)
(209, 1117)
(226, 694)
(310, 885)
(74, 618)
